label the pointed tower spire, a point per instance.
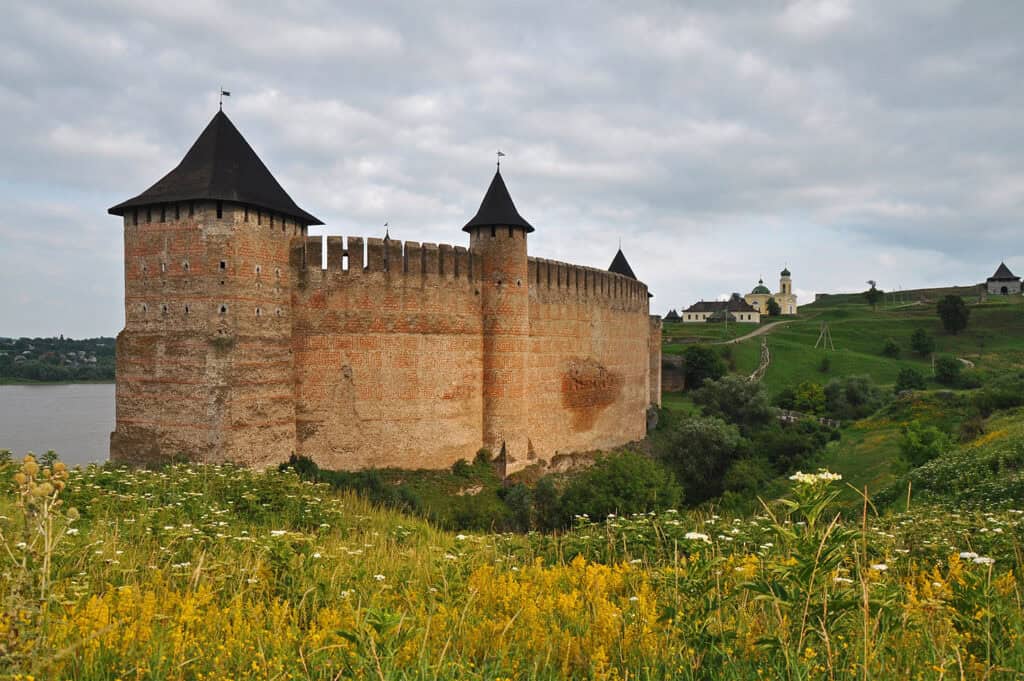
(497, 209)
(221, 166)
(621, 266)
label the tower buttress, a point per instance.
(498, 235)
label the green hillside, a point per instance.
(993, 341)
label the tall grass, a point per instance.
(211, 572)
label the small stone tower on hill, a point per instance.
(204, 363)
(497, 234)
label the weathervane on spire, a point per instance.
(223, 93)
(387, 232)
(500, 154)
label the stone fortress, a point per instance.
(239, 346)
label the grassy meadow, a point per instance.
(213, 572)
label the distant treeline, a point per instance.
(56, 359)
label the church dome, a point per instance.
(785, 272)
(761, 288)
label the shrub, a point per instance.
(920, 444)
(702, 364)
(791, 446)
(462, 469)
(786, 398)
(922, 343)
(748, 476)
(1004, 392)
(736, 400)
(954, 314)
(909, 379)
(826, 364)
(891, 348)
(947, 370)
(621, 483)
(773, 307)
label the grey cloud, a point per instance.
(851, 140)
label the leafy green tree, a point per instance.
(773, 307)
(852, 397)
(699, 450)
(702, 364)
(947, 370)
(891, 348)
(622, 483)
(909, 379)
(873, 295)
(790, 446)
(920, 444)
(809, 398)
(954, 314)
(736, 400)
(922, 342)
(748, 476)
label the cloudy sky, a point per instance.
(720, 141)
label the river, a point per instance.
(74, 420)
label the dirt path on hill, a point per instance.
(759, 331)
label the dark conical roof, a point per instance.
(497, 209)
(784, 272)
(221, 166)
(1003, 273)
(621, 266)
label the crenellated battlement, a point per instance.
(555, 277)
(355, 256)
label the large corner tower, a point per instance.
(204, 364)
(497, 235)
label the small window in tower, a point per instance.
(220, 209)
(184, 265)
(149, 214)
(163, 267)
(163, 308)
(191, 208)
(246, 214)
(145, 268)
(187, 309)
(145, 308)
(163, 213)
(223, 309)
(277, 271)
(259, 217)
(278, 312)
(223, 264)
(177, 211)
(135, 216)
(259, 312)
(510, 232)
(271, 220)
(258, 269)
(494, 231)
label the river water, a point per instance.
(74, 420)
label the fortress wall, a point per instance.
(203, 363)
(588, 372)
(388, 353)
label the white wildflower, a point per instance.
(461, 537)
(968, 555)
(697, 536)
(880, 567)
(379, 578)
(278, 533)
(984, 560)
(72, 530)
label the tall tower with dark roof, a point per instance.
(204, 363)
(497, 235)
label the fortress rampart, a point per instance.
(246, 340)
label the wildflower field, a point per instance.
(212, 572)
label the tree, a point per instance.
(947, 370)
(891, 348)
(700, 449)
(736, 400)
(773, 307)
(922, 343)
(702, 364)
(873, 295)
(909, 379)
(852, 397)
(954, 313)
(809, 398)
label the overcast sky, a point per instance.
(720, 141)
